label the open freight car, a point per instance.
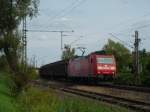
(54, 70)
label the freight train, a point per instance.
(95, 65)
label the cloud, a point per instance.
(64, 19)
(42, 38)
(125, 1)
(61, 19)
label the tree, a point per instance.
(68, 53)
(11, 14)
(145, 67)
(121, 53)
(145, 61)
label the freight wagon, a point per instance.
(54, 70)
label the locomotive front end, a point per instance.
(106, 65)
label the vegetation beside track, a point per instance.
(125, 64)
(36, 99)
(9, 91)
(8, 101)
(128, 79)
(39, 99)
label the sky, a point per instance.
(93, 22)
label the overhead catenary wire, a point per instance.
(129, 20)
(64, 13)
(63, 10)
(143, 26)
(47, 31)
(58, 31)
(74, 7)
(135, 28)
(132, 28)
(125, 43)
(76, 40)
(63, 25)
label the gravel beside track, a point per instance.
(127, 94)
(125, 87)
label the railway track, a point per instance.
(136, 105)
(113, 99)
(108, 85)
(125, 87)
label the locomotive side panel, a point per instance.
(78, 67)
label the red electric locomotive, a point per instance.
(93, 65)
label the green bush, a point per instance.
(145, 79)
(125, 79)
(129, 79)
(24, 75)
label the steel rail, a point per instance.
(136, 105)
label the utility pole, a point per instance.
(62, 35)
(136, 58)
(24, 41)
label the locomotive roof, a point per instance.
(102, 52)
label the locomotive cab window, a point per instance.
(105, 60)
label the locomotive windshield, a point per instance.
(105, 60)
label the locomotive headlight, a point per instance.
(112, 68)
(100, 68)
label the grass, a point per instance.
(7, 99)
(35, 99)
(39, 99)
